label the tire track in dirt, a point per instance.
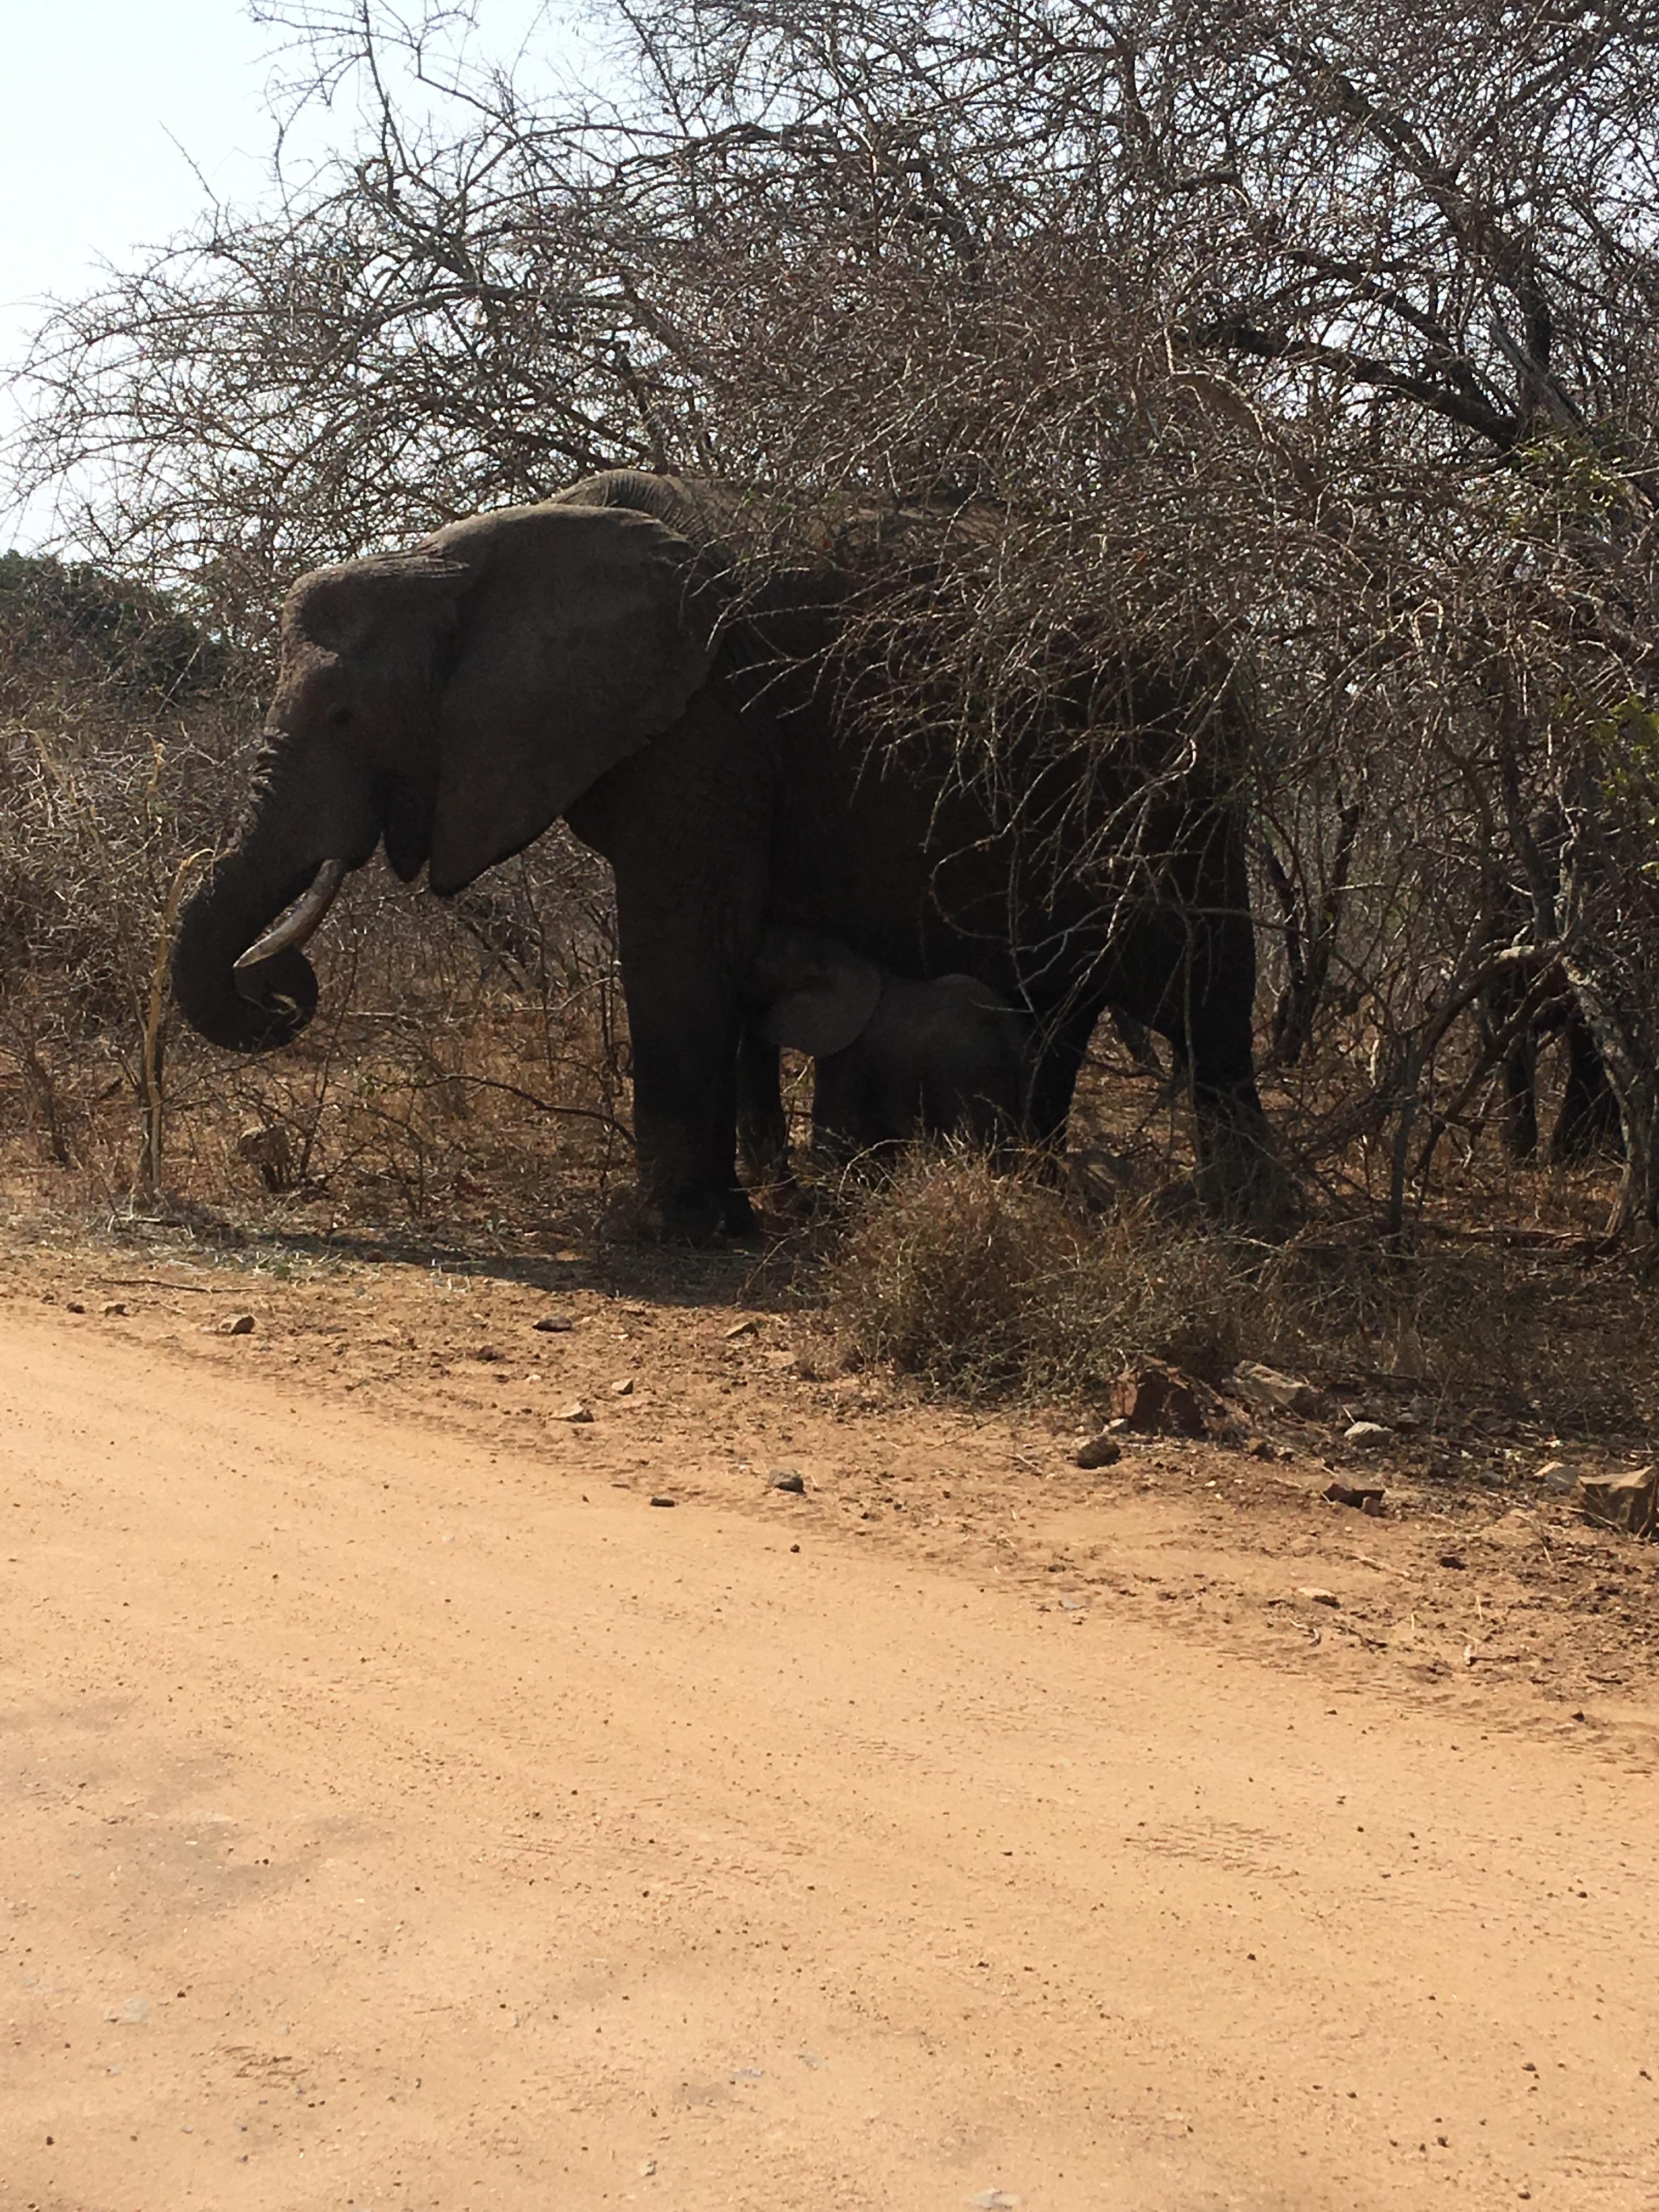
(389, 1823)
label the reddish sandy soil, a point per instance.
(403, 1811)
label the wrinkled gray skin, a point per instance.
(564, 660)
(893, 1058)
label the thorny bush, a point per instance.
(998, 1285)
(1302, 343)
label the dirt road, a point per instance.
(392, 1822)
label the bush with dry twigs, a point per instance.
(993, 1285)
(1305, 344)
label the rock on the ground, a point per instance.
(1316, 1596)
(1102, 1450)
(575, 1412)
(1556, 1474)
(553, 1325)
(1367, 1435)
(624, 1388)
(234, 1325)
(1629, 1501)
(1265, 1388)
(789, 1479)
(1160, 1400)
(1366, 1496)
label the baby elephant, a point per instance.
(894, 1059)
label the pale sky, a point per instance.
(89, 92)
(105, 105)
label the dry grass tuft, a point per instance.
(989, 1284)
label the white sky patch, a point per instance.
(122, 120)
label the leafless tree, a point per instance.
(1310, 344)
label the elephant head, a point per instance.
(819, 994)
(452, 701)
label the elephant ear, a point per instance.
(586, 633)
(831, 1009)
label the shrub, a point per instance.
(990, 1284)
(984, 1282)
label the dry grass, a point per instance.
(987, 1283)
(992, 1285)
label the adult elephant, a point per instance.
(597, 658)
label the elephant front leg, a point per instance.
(762, 1119)
(684, 1129)
(683, 1022)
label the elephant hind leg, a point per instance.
(1521, 1099)
(1055, 1060)
(1242, 1173)
(1589, 1120)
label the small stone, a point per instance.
(73, 1305)
(1365, 1435)
(624, 1388)
(112, 1307)
(742, 1328)
(1265, 1387)
(1455, 1560)
(1556, 1474)
(648, 2168)
(1316, 1596)
(1366, 1498)
(574, 1413)
(1629, 1502)
(1160, 1400)
(232, 1325)
(553, 1325)
(1102, 1450)
(661, 1499)
(789, 1479)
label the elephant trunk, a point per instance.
(308, 826)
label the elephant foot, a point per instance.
(1243, 1178)
(737, 1215)
(693, 1218)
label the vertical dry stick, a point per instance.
(147, 1184)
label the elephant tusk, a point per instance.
(301, 921)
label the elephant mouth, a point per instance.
(295, 928)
